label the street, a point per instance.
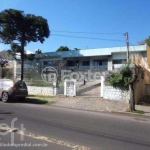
(63, 128)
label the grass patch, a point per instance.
(51, 102)
(43, 96)
(137, 111)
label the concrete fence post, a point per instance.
(102, 86)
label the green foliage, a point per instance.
(76, 49)
(15, 25)
(142, 42)
(62, 48)
(126, 71)
(30, 57)
(19, 29)
(148, 41)
(15, 48)
(122, 78)
(137, 111)
(38, 51)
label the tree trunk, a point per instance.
(131, 89)
(22, 60)
(0, 72)
(132, 101)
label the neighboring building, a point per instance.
(7, 58)
(27, 64)
(100, 59)
(90, 59)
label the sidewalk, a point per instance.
(146, 109)
(90, 103)
(94, 104)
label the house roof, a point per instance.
(93, 52)
(26, 51)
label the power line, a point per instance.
(88, 38)
(131, 44)
(84, 32)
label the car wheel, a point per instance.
(5, 97)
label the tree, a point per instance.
(19, 29)
(148, 41)
(142, 42)
(76, 49)
(62, 48)
(38, 51)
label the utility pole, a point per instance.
(127, 42)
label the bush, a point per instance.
(122, 78)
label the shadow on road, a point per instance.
(3, 112)
(29, 101)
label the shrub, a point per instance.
(122, 78)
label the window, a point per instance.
(85, 63)
(45, 63)
(119, 61)
(104, 62)
(48, 63)
(70, 63)
(96, 63)
(100, 63)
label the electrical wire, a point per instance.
(88, 38)
(84, 32)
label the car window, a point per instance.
(20, 84)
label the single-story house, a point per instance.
(90, 59)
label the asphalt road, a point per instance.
(69, 129)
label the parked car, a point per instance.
(8, 90)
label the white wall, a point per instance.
(47, 91)
(119, 56)
(123, 55)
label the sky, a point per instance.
(86, 24)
